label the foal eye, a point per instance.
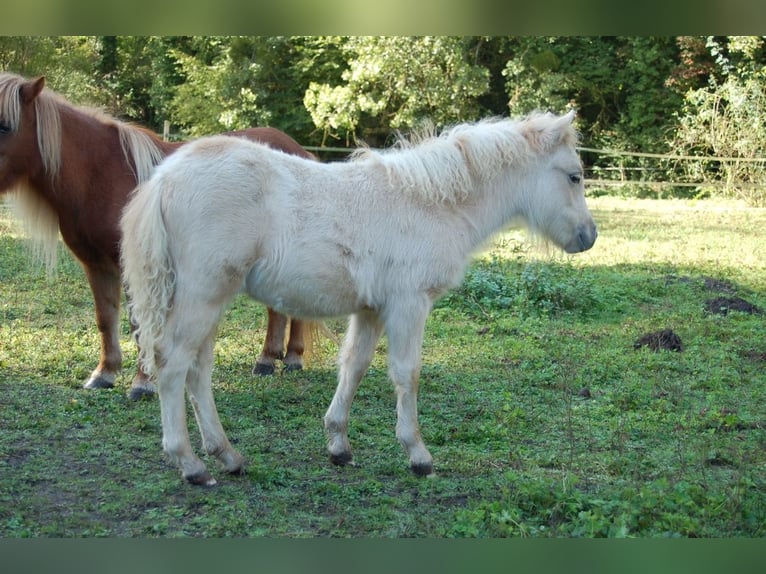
(575, 178)
(5, 129)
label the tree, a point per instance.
(687, 94)
(239, 82)
(65, 61)
(726, 119)
(394, 83)
(137, 76)
(617, 84)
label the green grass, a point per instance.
(542, 417)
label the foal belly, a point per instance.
(317, 295)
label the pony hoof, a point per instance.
(263, 370)
(201, 479)
(342, 459)
(139, 394)
(98, 383)
(292, 367)
(425, 469)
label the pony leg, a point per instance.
(107, 290)
(295, 346)
(142, 386)
(273, 346)
(405, 341)
(356, 353)
(199, 385)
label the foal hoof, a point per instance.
(423, 469)
(342, 459)
(141, 393)
(201, 479)
(292, 367)
(263, 370)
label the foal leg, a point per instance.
(295, 346)
(171, 379)
(405, 341)
(273, 346)
(107, 290)
(356, 353)
(185, 361)
(199, 385)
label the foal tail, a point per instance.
(148, 270)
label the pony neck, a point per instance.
(92, 183)
(95, 151)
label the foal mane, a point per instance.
(445, 168)
(41, 223)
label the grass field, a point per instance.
(544, 415)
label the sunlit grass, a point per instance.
(718, 234)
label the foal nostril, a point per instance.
(587, 237)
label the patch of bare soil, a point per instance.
(720, 285)
(722, 306)
(660, 340)
(754, 355)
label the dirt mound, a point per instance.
(665, 339)
(722, 306)
(722, 285)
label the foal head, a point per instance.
(555, 206)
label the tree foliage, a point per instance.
(726, 119)
(396, 82)
(685, 94)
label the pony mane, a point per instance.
(417, 163)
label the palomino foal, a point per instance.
(378, 238)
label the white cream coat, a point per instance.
(379, 238)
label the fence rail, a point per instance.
(672, 156)
(622, 181)
(627, 182)
(659, 178)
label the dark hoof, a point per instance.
(98, 383)
(201, 479)
(140, 394)
(263, 370)
(342, 459)
(292, 367)
(423, 469)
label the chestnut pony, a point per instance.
(71, 170)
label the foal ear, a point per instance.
(31, 89)
(547, 131)
(568, 117)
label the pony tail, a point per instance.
(148, 270)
